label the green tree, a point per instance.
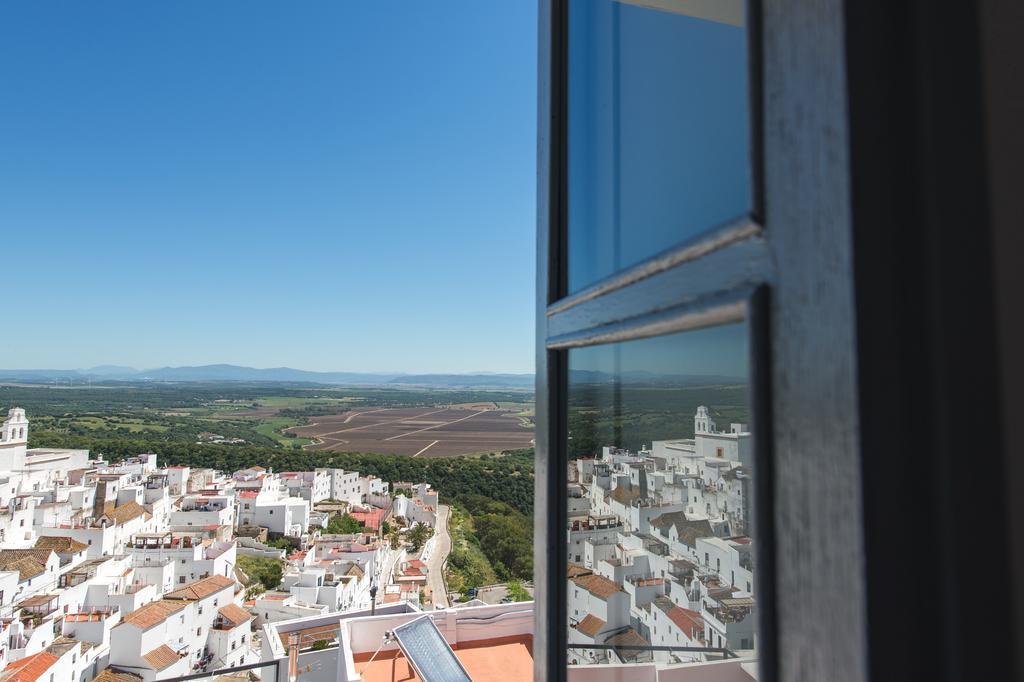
(517, 592)
(344, 524)
(281, 543)
(260, 570)
(419, 535)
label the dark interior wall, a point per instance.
(934, 455)
(1002, 25)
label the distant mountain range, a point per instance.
(115, 373)
(206, 373)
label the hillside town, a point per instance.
(660, 553)
(132, 571)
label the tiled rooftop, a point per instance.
(508, 659)
(202, 588)
(590, 626)
(234, 614)
(597, 585)
(161, 657)
(30, 668)
(153, 613)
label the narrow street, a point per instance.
(435, 566)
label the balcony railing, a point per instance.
(715, 651)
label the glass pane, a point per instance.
(660, 498)
(659, 146)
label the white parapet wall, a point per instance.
(714, 671)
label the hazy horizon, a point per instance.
(335, 370)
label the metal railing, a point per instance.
(222, 671)
(720, 651)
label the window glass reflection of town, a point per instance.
(661, 554)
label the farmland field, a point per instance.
(442, 431)
(421, 422)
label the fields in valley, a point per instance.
(440, 431)
(406, 422)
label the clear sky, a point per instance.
(324, 185)
(720, 351)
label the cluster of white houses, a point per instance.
(660, 556)
(660, 582)
(128, 571)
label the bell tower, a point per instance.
(15, 429)
(13, 440)
(702, 422)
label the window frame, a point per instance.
(792, 282)
(714, 278)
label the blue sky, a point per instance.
(322, 184)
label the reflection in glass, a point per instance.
(660, 493)
(658, 128)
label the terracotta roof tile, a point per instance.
(27, 562)
(201, 589)
(30, 668)
(597, 585)
(60, 544)
(687, 620)
(590, 626)
(234, 614)
(125, 512)
(625, 495)
(688, 531)
(576, 570)
(161, 657)
(628, 637)
(153, 613)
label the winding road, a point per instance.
(435, 565)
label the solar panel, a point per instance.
(428, 653)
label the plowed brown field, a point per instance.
(446, 431)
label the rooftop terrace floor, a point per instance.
(508, 658)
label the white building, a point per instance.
(312, 486)
(287, 516)
(190, 558)
(203, 511)
(189, 629)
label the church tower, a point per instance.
(702, 421)
(13, 440)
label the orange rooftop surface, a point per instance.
(508, 659)
(30, 668)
